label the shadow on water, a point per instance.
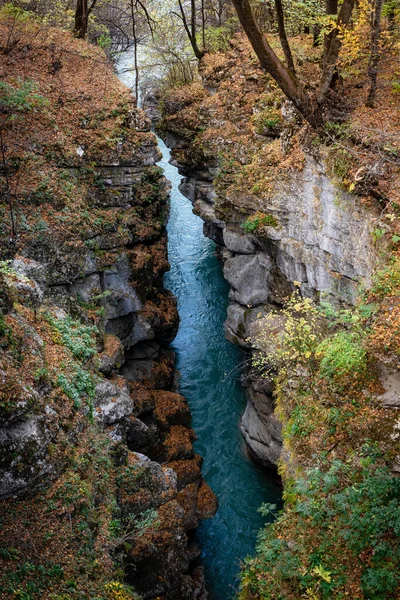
(210, 380)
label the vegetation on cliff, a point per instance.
(100, 512)
(83, 250)
(339, 534)
(334, 368)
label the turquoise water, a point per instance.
(210, 379)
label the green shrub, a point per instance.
(21, 99)
(345, 520)
(76, 383)
(258, 220)
(218, 38)
(386, 281)
(342, 356)
(339, 162)
(79, 338)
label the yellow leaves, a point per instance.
(319, 571)
(311, 594)
(355, 39)
(290, 338)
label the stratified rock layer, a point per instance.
(92, 440)
(317, 237)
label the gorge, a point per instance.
(210, 370)
(199, 315)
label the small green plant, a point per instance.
(337, 130)
(386, 281)
(79, 338)
(104, 41)
(146, 520)
(22, 98)
(217, 38)
(339, 162)
(257, 221)
(378, 234)
(268, 121)
(42, 375)
(76, 383)
(343, 357)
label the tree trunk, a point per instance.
(331, 7)
(282, 36)
(135, 55)
(203, 23)
(191, 31)
(375, 54)
(269, 61)
(82, 13)
(81, 18)
(332, 49)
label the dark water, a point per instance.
(210, 373)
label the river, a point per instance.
(210, 369)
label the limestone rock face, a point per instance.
(239, 243)
(248, 276)
(261, 428)
(321, 241)
(114, 377)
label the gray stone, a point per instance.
(239, 243)
(141, 331)
(112, 401)
(138, 370)
(324, 240)
(27, 281)
(122, 298)
(141, 436)
(23, 451)
(248, 275)
(86, 288)
(112, 356)
(390, 379)
(242, 325)
(262, 430)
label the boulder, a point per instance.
(112, 401)
(23, 451)
(239, 243)
(248, 276)
(262, 430)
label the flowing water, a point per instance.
(210, 370)
(210, 379)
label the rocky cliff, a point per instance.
(288, 209)
(100, 487)
(306, 223)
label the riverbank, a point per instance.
(100, 488)
(297, 225)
